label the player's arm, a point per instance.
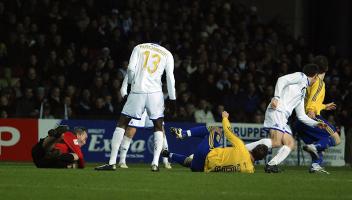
(170, 79)
(235, 141)
(132, 65)
(301, 115)
(124, 86)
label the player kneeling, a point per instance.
(60, 149)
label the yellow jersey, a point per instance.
(315, 97)
(229, 159)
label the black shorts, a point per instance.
(42, 160)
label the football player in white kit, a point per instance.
(131, 130)
(290, 91)
(146, 66)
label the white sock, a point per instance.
(165, 147)
(115, 144)
(125, 145)
(158, 145)
(283, 152)
(266, 141)
(189, 133)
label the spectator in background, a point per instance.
(100, 109)
(26, 106)
(56, 104)
(31, 80)
(85, 105)
(218, 113)
(203, 114)
(81, 42)
(3, 114)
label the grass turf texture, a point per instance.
(24, 181)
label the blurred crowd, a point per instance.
(67, 59)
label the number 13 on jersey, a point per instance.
(155, 58)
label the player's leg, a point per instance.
(125, 145)
(117, 138)
(158, 143)
(179, 158)
(133, 108)
(38, 154)
(288, 145)
(166, 162)
(199, 131)
(265, 141)
(155, 109)
(200, 155)
(277, 138)
(328, 137)
(275, 122)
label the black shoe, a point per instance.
(155, 168)
(177, 132)
(165, 153)
(106, 167)
(271, 169)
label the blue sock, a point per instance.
(199, 131)
(320, 159)
(325, 143)
(180, 159)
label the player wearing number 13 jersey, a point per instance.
(147, 64)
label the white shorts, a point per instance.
(144, 122)
(276, 120)
(137, 103)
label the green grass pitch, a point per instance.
(24, 181)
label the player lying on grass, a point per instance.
(60, 149)
(211, 157)
(317, 140)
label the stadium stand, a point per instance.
(67, 59)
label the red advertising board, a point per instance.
(17, 137)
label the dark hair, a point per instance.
(322, 63)
(259, 152)
(79, 130)
(310, 70)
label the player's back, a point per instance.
(151, 61)
(292, 94)
(315, 97)
(229, 159)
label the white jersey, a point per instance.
(290, 91)
(147, 64)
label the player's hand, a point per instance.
(322, 125)
(225, 114)
(124, 99)
(274, 103)
(330, 106)
(173, 107)
(311, 114)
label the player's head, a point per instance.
(311, 71)
(81, 134)
(322, 63)
(259, 152)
